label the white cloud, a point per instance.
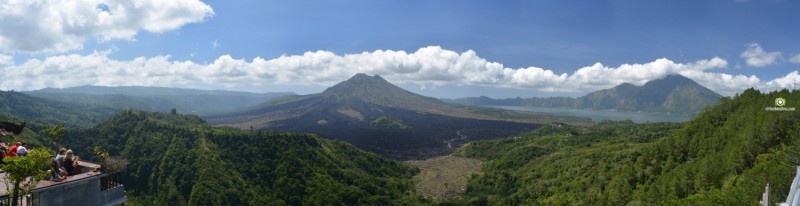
(790, 81)
(795, 59)
(428, 67)
(755, 56)
(725, 84)
(57, 26)
(6, 60)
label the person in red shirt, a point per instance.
(13, 151)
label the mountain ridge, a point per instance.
(22, 107)
(162, 99)
(406, 125)
(673, 94)
(142, 91)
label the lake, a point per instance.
(600, 115)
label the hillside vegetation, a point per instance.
(180, 160)
(720, 158)
(189, 101)
(38, 112)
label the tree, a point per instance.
(24, 172)
(101, 156)
(114, 164)
(55, 133)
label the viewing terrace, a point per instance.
(88, 187)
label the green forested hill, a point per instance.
(83, 107)
(720, 158)
(180, 160)
(21, 107)
(189, 101)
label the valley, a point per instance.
(371, 113)
(399, 103)
(601, 115)
(459, 136)
(308, 145)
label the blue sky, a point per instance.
(511, 48)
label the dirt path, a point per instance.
(444, 176)
(460, 136)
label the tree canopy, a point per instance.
(719, 158)
(178, 159)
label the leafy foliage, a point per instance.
(55, 134)
(389, 122)
(41, 113)
(24, 172)
(719, 158)
(178, 159)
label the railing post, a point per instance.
(111, 181)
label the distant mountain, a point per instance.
(373, 114)
(202, 102)
(147, 91)
(20, 107)
(674, 94)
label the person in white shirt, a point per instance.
(60, 156)
(22, 151)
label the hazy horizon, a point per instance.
(445, 49)
(409, 87)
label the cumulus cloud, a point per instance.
(790, 81)
(428, 66)
(58, 26)
(755, 56)
(795, 59)
(6, 60)
(725, 84)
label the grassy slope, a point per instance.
(443, 177)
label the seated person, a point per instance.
(22, 150)
(70, 162)
(57, 174)
(60, 156)
(12, 152)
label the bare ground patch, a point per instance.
(444, 176)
